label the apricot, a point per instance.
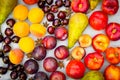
(20, 12)
(21, 28)
(26, 44)
(35, 15)
(16, 56)
(38, 30)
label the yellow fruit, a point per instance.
(20, 12)
(38, 30)
(26, 44)
(16, 56)
(35, 15)
(21, 28)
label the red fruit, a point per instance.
(110, 6)
(30, 2)
(113, 31)
(57, 75)
(112, 55)
(112, 72)
(75, 69)
(94, 61)
(61, 33)
(61, 52)
(100, 42)
(80, 5)
(98, 20)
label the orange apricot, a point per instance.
(16, 56)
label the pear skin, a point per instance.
(93, 4)
(77, 24)
(6, 7)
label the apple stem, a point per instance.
(114, 30)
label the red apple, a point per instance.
(78, 53)
(94, 61)
(100, 42)
(112, 55)
(80, 5)
(75, 69)
(113, 31)
(112, 72)
(110, 6)
(98, 20)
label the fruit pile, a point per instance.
(39, 28)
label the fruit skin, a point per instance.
(110, 6)
(16, 56)
(26, 44)
(98, 20)
(85, 40)
(6, 7)
(35, 15)
(100, 42)
(20, 12)
(61, 52)
(57, 75)
(30, 2)
(77, 23)
(80, 5)
(93, 4)
(41, 76)
(50, 64)
(94, 61)
(49, 42)
(75, 69)
(93, 75)
(38, 30)
(21, 28)
(112, 72)
(31, 66)
(113, 31)
(78, 53)
(112, 55)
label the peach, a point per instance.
(16, 56)
(38, 30)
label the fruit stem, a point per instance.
(114, 30)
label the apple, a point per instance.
(94, 61)
(100, 42)
(112, 72)
(78, 53)
(112, 55)
(98, 20)
(80, 5)
(110, 6)
(85, 40)
(113, 31)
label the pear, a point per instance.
(6, 7)
(77, 24)
(93, 4)
(93, 75)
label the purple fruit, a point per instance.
(50, 64)
(39, 53)
(31, 66)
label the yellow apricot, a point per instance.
(38, 30)
(21, 28)
(20, 12)
(35, 15)
(26, 44)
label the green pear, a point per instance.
(6, 7)
(93, 75)
(77, 24)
